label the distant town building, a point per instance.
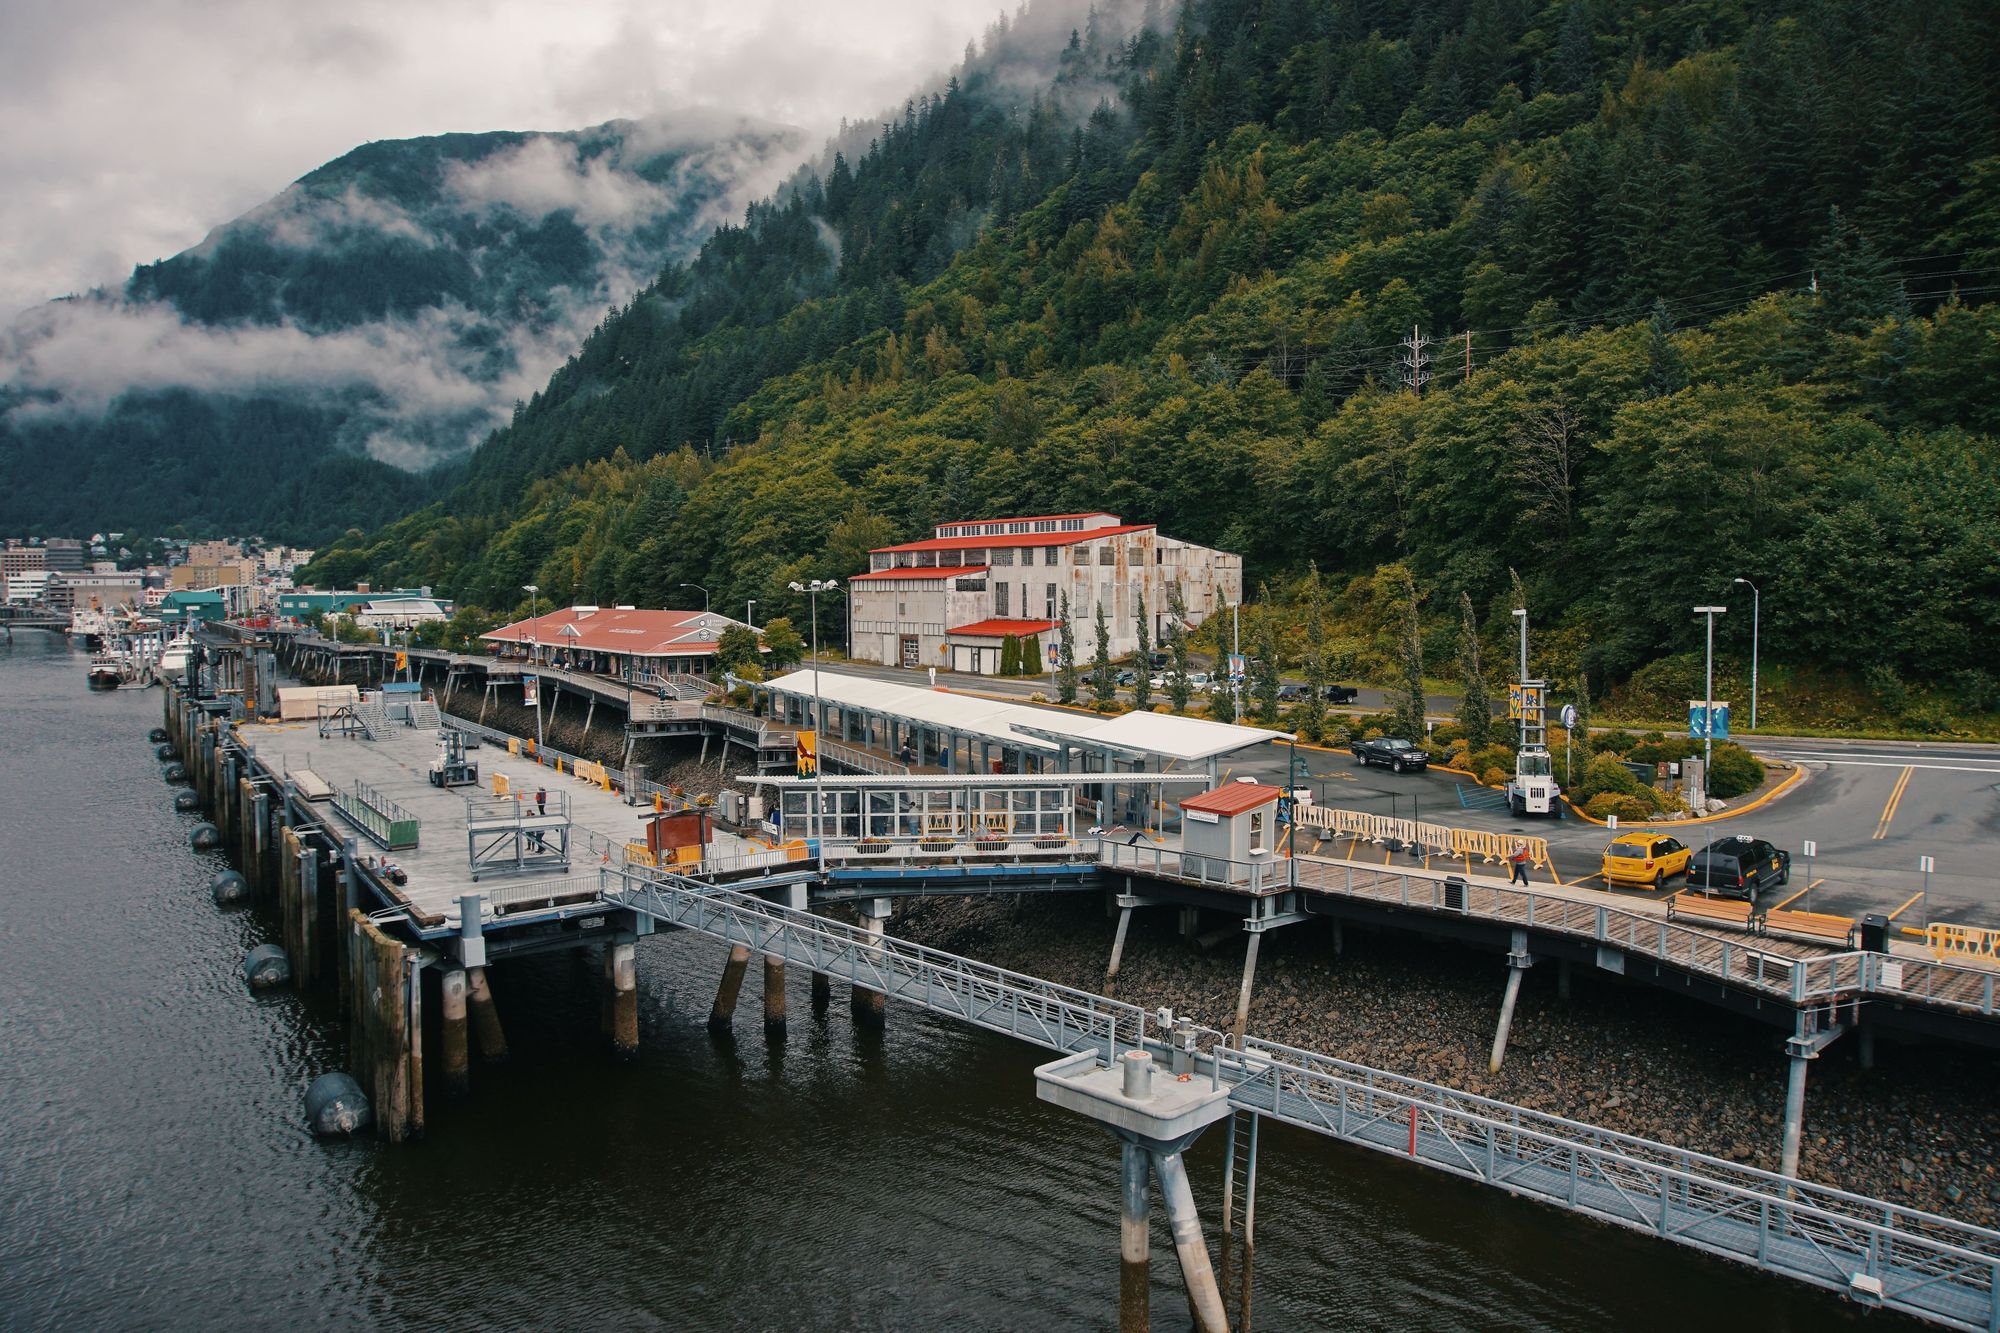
(621, 641)
(213, 574)
(951, 600)
(25, 586)
(74, 589)
(16, 558)
(300, 603)
(64, 553)
(398, 612)
(214, 553)
(192, 607)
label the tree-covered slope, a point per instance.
(380, 315)
(1631, 299)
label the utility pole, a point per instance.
(1235, 652)
(1708, 704)
(534, 592)
(1468, 354)
(1756, 617)
(749, 613)
(1521, 614)
(1416, 360)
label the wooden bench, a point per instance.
(1720, 911)
(1822, 926)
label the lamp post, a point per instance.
(535, 634)
(1235, 651)
(1521, 614)
(1756, 618)
(704, 595)
(749, 613)
(1708, 703)
(813, 590)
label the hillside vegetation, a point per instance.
(1632, 300)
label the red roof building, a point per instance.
(1233, 798)
(620, 641)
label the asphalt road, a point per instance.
(1873, 809)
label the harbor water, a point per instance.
(157, 1173)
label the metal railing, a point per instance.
(378, 818)
(1055, 1017)
(1901, 1258)
(859, 760)
(1251, 877)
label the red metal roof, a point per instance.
(637, 633)
(1233, 798)
(980, 543)
(1000, 629)
(1030, 518)
(920, 572)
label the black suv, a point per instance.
(1392, 751)
(1739, 867)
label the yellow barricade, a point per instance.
(636, 854)
(513, 745)
(1439, 839)
(500, 787)
(1973, 942)
(594, 773)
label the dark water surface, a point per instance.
(155, 1172)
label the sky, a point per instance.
(131, 127)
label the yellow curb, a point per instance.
(1798, 776)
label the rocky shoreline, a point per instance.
(1921, 1129)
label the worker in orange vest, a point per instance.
(1519, 861)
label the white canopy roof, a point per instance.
(1185, 739)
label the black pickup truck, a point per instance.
(1393, 751)
(1342, 694)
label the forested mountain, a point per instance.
(1630, 299)
(378, 316)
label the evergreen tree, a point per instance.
(783, 646)
(1410, 699)
(1032, 661)
(1475, 713)
(1103, 687)
(1142, 664)
(1312, 717)
(1178, 685)
(1010, 656)
(1066, 673)
(1267, 664)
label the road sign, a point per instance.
(1809, 848)
(1927, 864)
(1569, 717)
(1236, 664)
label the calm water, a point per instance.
(154, 1172)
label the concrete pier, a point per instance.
(1243, 991)
(774, 997)
(1135, 1237)
(622, 997)
(822, 994)
(1518, 962)
(456, 1053)
(723, 1012)
(1204, 1297)
(871, 1007)
(1117, 951)
(486, 1030)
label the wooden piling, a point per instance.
(723, 1012)
(384, 1023)
(774, 996)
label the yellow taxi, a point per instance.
(1644, 858)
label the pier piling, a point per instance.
(1204, 1297)
(822, 993)
(622, 997)
(457, 1055)
(486, 1030)
(1518, 962)
(774, 997)
(1135, 1238)
(723, 1012)
(871, 1007)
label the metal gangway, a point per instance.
(517, 833)
(1876, 1252)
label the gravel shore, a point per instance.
(1921, 1129)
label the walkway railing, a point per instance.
(1055, 1017)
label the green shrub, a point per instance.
(1734, 772)
(1612, 742)
(1608, 803)
(1448, 735)
(1604, 774)
(1663, 751)
(1493, 776)
(1491, 756)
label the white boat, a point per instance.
(174, 657)
(107, 672)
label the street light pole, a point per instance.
(749, 613)
(1756, 619)
(535, 633)
(1521, 614)
(813, 590)
(1235, 652)
(704, 595)
(1708, 704)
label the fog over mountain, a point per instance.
(390, 307)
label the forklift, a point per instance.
(451, 768)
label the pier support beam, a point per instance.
(457, 1055)
(1204, 1297)
(1866, 1053)
(486, 1029)
(621, 996)
(1135, 1239)
(1117, 951)
(822, 994)
(723, 1012)
(1518, 962)
(1562, 979)
(871, 1007)
(1807, 1041)
(1243, 991)
(774, 998)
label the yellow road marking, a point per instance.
(1794, 898)
(1895, 800)
(1906, 906)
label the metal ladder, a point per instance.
(1239, 1215)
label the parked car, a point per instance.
(1739, 867)
(1159, 661)
(1291, 694)
(1342, 694)
(1199, 682)
(1644, 857)
(1392, 751)
(1128, 677)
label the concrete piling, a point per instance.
(723, 1012)
(457, 1055)
(870, 1008)
(1204, 1297)
(1519, 960)
(822, 994)
(622, 999)
(1243, 991)
(486, 1030)
(774, 997)
(1135, 1228)
(1117, 951)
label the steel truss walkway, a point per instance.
(1876, 1252)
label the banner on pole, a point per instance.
(531, 691)
(808, 754)
(1711, 720)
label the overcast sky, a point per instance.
(128, 128)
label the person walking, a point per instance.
(1519, 861)
(542, 803)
